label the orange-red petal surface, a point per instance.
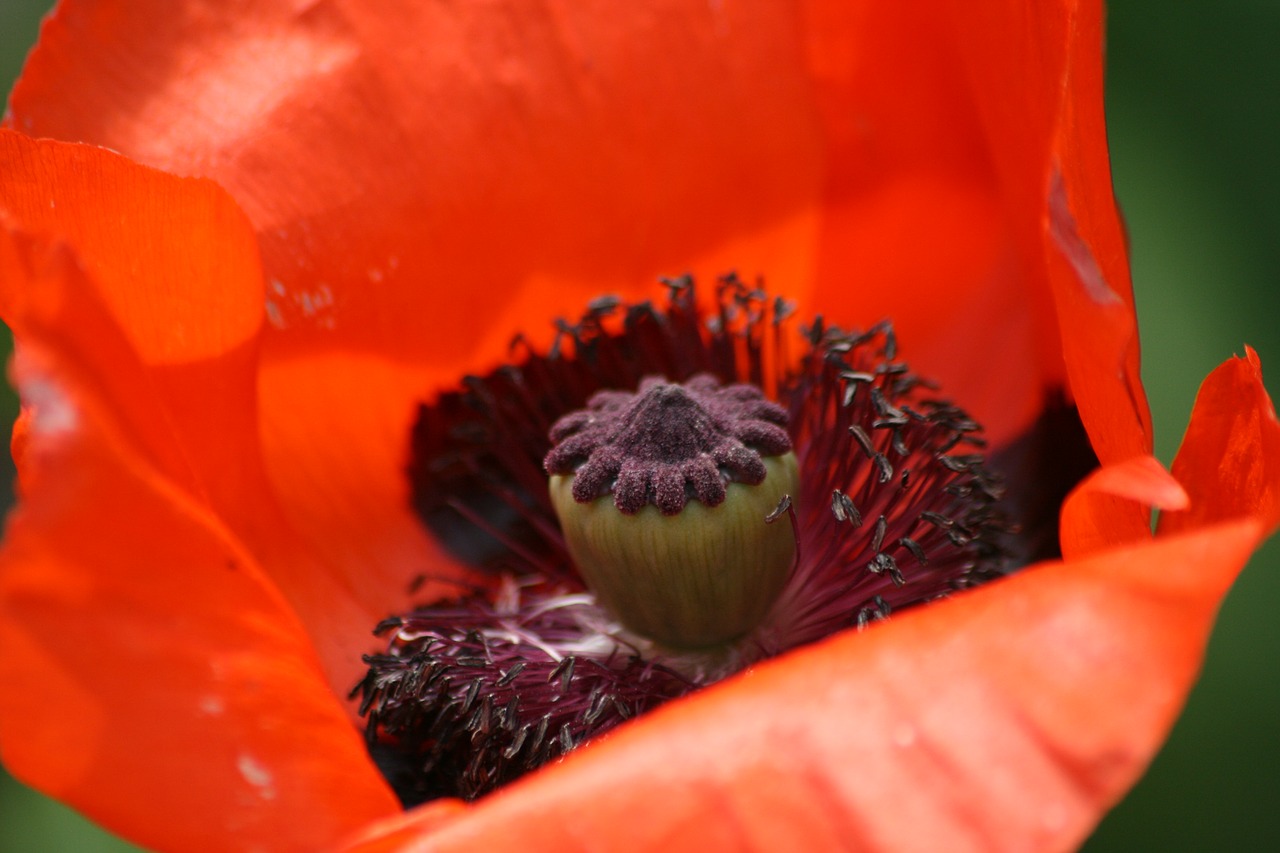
(1112, 506)
(1005, 719)
(153, 676)
(1230, 456)
(336, 453)
(916, 222)
(423, 165)
(1049, 148)
(426, 180)
(1088, 252)
(170, 329)
(163, 322)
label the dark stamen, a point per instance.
(467, 691)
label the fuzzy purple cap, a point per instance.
(668, 442)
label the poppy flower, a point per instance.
(323, 214)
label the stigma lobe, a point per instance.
(668, 443)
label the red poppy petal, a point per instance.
(981, 129)
(1049, 147)
(1112, 506)
(1088, 257)
(188, 711)
(162, 321)
(1008, 719)
(426, 196)
(170, 330)
(407, 830)
(336, 432)
(1230, 456)
(925, 223)
(419, 172)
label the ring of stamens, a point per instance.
(895, 509)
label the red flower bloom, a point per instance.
(213, 510)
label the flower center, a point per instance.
(648, 567)
(667, 506)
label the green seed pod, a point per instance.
(663, 496)
(700, 578)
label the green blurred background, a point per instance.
(1194, 111)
